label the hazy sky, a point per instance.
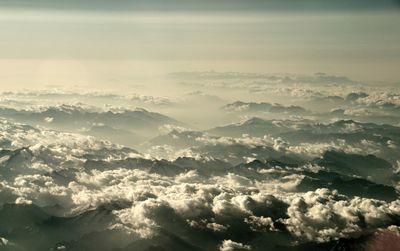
(99, 43)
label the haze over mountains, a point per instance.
(209, 125)
(232, 161)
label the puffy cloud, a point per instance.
(227, 191)
(229, 245)
(380, 98)
(3, 242)
(324, 215)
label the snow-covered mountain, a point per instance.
(66, 191)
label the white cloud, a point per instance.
(229, 245)
(80, 173)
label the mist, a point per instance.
(199, 125)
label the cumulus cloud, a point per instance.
(229, 245)
(251, 185)
(317, 215)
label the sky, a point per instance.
(106, 44)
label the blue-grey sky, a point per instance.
(91, 42)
